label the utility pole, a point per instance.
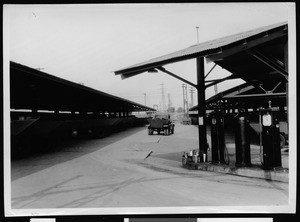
(186, 99)
(216, 89)
(197, 30)
(183, 97)
(163, 97)
(192, 90)
(169, 101)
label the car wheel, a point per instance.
(166, 132)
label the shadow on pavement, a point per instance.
(62, 151)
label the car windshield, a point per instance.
(161, 116)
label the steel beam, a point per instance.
(210, 70)
(175, 76)
(268, 61)
(273, 95)
(216, 81)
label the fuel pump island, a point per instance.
(269, 142)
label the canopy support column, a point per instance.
(201, 105)
(286, 68)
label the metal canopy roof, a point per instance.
(258, 56)
(244, 96)
(33, 89)
(236, 47)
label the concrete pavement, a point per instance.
(113, 172)
(255, 171)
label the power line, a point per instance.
(216, 88)
(163, 98)
(169, 101)
(186, 98)
(192, 91)
(183, 98)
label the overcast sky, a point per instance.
(86, 43)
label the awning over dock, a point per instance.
(35, 90)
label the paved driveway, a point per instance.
(113, 172)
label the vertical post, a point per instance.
(197, 28)
(34, 113)
(192, 97)
(201, 106)
(72, 114)
(183, 98)
(216, 89)
(286, 68)
(163, 98)
(186, 99)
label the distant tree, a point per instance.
(180, 110)
(171, 110)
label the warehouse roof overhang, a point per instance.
(257, 56)
(36, 90)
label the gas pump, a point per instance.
(217, 138)
(242, 141)
(270, 138)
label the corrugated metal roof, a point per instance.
(54, 92)
(203, 49)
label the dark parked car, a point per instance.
(161, 122)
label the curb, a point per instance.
(281, 174)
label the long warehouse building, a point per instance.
(45, 107)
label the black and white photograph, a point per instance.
(142, 109)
